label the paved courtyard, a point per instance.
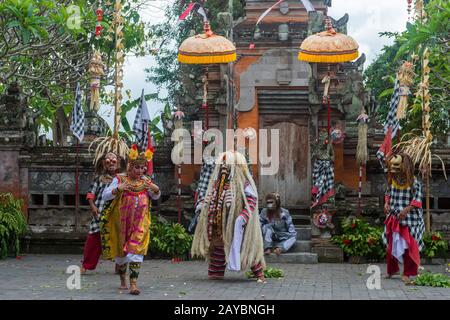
(45, 277)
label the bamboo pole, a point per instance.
(118, 35)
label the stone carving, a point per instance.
(316, 23)
(284, 8)
(353, 94)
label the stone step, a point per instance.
(302, 246)
(294, 257)
(301, 219)
(303, 232)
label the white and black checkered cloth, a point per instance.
(140, 126)
(391, 120)
(77, 126)
(97, 189)
(400, 199)
(323, 179)
(205, 175)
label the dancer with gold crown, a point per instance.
(126, 222)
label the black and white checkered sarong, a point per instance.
(399, 199)
(323, 181)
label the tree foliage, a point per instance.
(434, 34)
(168, 35)
(46, 45)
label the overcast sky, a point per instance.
(367, 19)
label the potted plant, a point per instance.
(170, 240)
(435, 244)
(12, 225)
(360, 240)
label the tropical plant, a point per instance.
(46, 50)
(432, 33)
(167, 37)
(12, 224)
(169, 239)
(360, 239)
(435, 244)
(432, 280)
(269, 272)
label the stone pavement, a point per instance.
(44, 277)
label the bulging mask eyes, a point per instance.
(108, 162)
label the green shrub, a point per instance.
(268, 273)
(359, 239)
(12, 224)
(434, 244)
(432, 280)
(169, 239)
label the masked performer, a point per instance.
(404, 225)
(126, 222)
(278, 230)
(106, 169)
(228, 230)
(323, 172)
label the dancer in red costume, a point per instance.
(404, 225)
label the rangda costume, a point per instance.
(228, 232)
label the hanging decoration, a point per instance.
(114, 143)
(362, 155)
(405, 78)
(98, 27)
(323, 219)
(96, 71)
(337, 135)
(409, 8)
(178, 121)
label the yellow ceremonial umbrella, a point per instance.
(206, 48)
(328, 47)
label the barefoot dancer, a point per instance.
(126, 223)
(228, 230)
(404, 226)
(106, 169)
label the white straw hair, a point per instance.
(252, 250)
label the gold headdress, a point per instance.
(134, 157)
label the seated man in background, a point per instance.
(277, 227)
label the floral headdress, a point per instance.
(134, 157)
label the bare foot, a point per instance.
(268, 252)
(277, 251)
(123, 283)
(261, 280)
(134, 290)
(406, 280)
(215, 277)
(82, 270)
